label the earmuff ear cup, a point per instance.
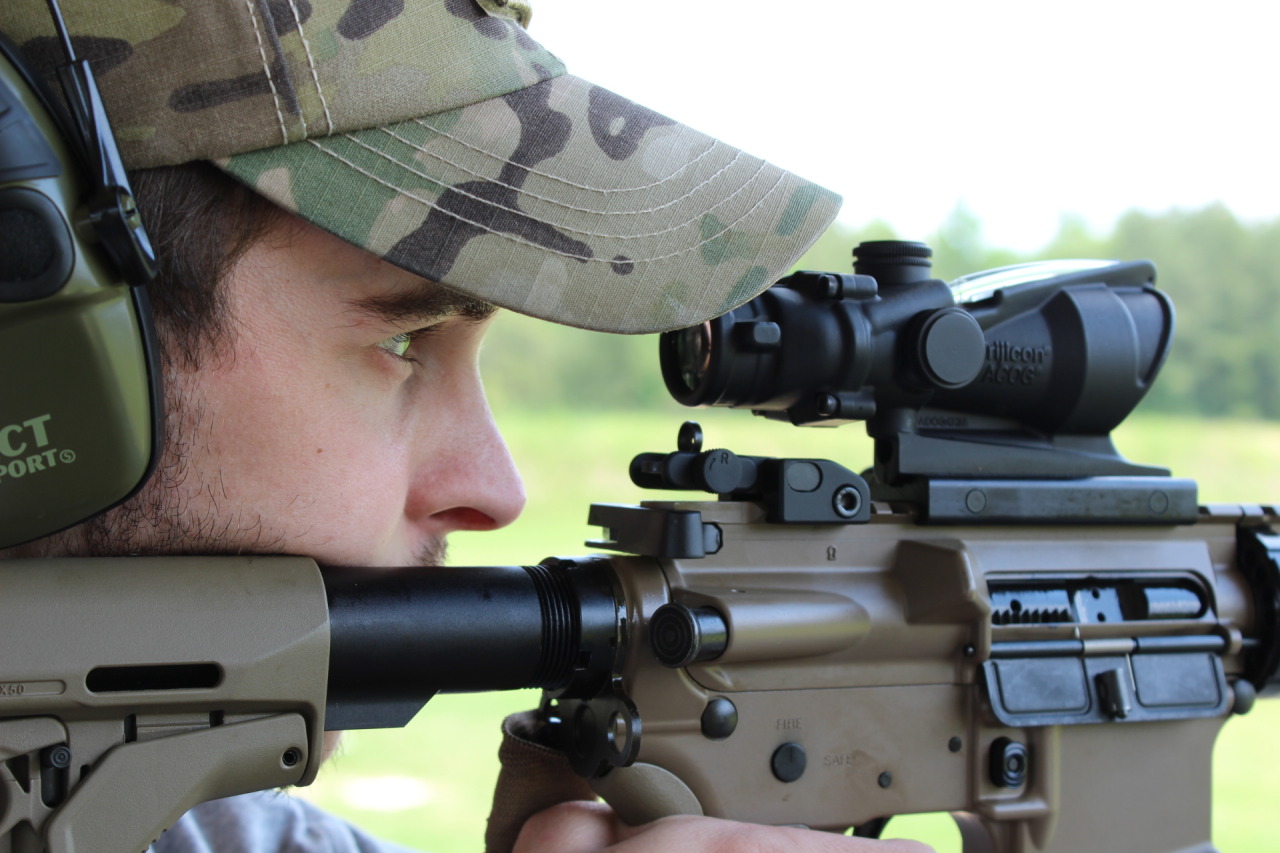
(79, 401)
(36, 255)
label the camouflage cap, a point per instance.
(438, 135)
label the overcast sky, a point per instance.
(1022, 110)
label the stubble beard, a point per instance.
(176, 512)
(180, 510)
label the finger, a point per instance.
(713, 836)
(573, 827)
(903, 845)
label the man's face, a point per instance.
(344, 420)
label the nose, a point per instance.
(468, 479)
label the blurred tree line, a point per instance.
(1220, 272)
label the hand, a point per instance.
(583, 827)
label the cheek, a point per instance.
(319, 466)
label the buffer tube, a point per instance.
(399, 636)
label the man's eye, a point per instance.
(398, 345)
(401, 345)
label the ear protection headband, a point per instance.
(80, 412)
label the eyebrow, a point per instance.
(423, 303)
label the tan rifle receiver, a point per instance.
(1030, 680)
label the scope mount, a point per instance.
(1109, 490)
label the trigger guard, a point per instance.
(642, 793)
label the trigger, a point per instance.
(643, 793)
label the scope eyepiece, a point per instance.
(690, 358)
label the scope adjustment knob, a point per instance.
(892, 262)
(950, 348)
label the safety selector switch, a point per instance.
(788, 762)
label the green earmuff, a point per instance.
(79, 385)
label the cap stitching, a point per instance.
(547, 249)
(705, 152)
(311, 63)
(562, 205)
(266, 67)
(600, 190)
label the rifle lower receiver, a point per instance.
(887, 668)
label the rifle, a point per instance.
(1000, 608)
(1002, 618)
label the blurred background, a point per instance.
(997, 132)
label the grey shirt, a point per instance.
(266, 822)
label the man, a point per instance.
(410, 168)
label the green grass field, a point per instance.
(427, 786)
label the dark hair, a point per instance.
(200, 222)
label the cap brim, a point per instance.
(560, 200)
